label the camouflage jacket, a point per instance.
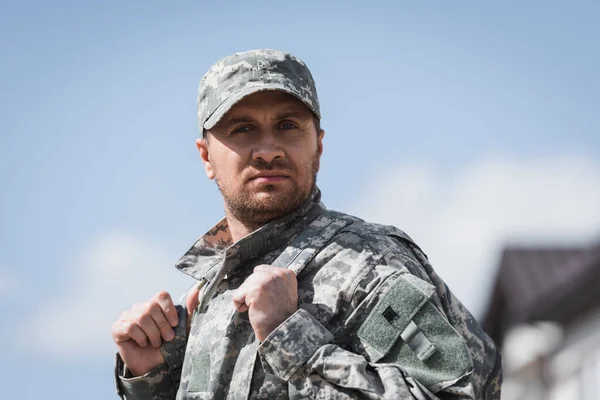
(374, 321)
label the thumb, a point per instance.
(191, 302)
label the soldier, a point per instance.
(293, 300)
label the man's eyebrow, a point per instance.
(288, 113)
(292, 113)
(237, 120)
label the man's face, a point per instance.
(264, 155)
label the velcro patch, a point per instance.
(200, 373)
(391, 315)
(406, 329)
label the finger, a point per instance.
(239, 297)
(124, 330)
(241, 307)
(168, 308)
(147, 324)
(192, 301)
(265, 273)
(265, 267)
(157, 314)
(251, 287)
(288, 276)
(140, 314)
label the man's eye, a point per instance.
(241, 129)
(288, 125)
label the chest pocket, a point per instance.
(406, 329)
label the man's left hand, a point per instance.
(270, 295)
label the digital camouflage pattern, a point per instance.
(241, 74)
(374, 321)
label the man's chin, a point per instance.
(257, 205)
(274, 200)
(274, 203)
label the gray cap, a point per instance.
(234, 77)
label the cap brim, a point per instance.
(239, 95)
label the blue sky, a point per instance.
(467, 125)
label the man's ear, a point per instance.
(202, 145)
(320, 142)
(320, 148)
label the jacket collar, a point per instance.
(205, 258)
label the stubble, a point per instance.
(245, 205)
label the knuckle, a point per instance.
(271, 278)
(264, 287)
(263, 284)
(162, 325)
(163, 295)
(142, 319)
(288, 273)
(141, 339)
(129, 327)
(152, 307)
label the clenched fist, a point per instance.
(270, 295)
(139, 332)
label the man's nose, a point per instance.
(267, 148)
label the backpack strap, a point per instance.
(296, 256)
(307, 243)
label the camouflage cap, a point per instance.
(234, 77)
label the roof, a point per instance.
(542, 284)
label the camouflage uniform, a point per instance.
(374, 319)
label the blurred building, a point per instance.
(545, 315)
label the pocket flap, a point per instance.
(392, 314)
(406, 329)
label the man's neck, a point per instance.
(238, 229)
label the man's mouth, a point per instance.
(269, 177)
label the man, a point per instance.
(293, 300)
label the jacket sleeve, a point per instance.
(396, 345)
(162, 382)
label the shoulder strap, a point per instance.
(314, 237)
(296, 256)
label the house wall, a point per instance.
(574, 369)
(547, 361)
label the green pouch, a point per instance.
(406, 329)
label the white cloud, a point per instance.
(463, 221)
(114, 273)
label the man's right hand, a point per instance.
(139, 332)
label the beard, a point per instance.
(254, 211)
